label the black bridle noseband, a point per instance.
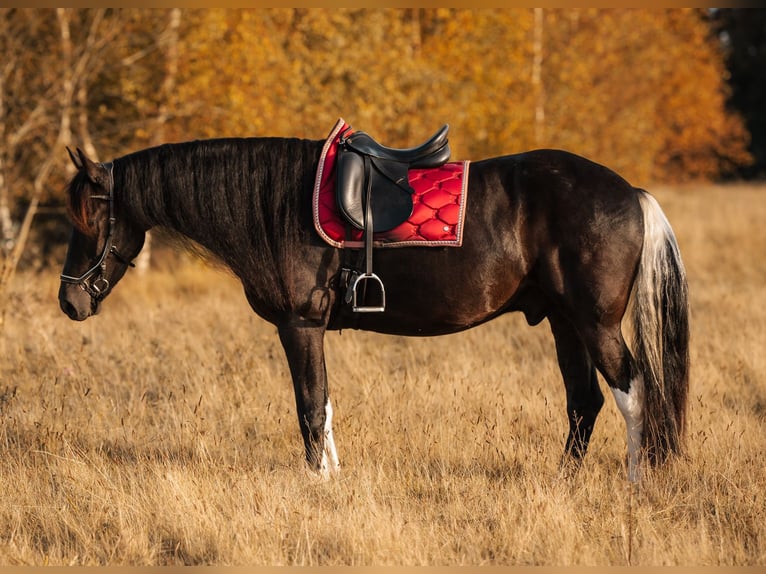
(99, 284)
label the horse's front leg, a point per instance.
(304, 346)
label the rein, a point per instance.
(98, 286)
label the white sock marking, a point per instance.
(631, 405)
(330, 464)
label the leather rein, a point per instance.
(98, 286)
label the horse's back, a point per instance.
(550, 174)
(558, 201)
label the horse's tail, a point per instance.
(660, 317)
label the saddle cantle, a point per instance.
(367, 168)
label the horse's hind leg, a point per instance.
(304, 348)
(584, 398)
(613, 359)
(600, 341)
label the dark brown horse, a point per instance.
(547, 233)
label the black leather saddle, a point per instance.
(366, 168)
(374, 194)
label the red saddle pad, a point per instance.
(437, 216)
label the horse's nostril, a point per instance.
(68, 308)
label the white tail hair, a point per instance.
(656, 327)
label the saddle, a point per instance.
(374, 195)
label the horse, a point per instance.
(548, 233)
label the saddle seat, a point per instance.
(432, 153)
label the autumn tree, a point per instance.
(293, 71)
(641, 91)
(482, 67)
(148, 55)
(24, 110)
(742, 33)
(701, 138)
(39, 91)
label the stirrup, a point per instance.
(364, 277)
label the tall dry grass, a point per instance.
(163, 431)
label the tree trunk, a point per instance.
(537, 79)
(6, 221)
(170, 37)
(64, 136)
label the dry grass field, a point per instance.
(162, 431)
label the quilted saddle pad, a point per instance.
(437, 216)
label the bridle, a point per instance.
(94, 281)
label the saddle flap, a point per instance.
(349, 183)
(391, 196)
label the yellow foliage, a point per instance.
(639, 90)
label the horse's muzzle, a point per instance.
(76, 303)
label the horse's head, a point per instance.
(102, 244)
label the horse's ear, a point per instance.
(75, 160)
(95, 171)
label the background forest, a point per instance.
(658, 95)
